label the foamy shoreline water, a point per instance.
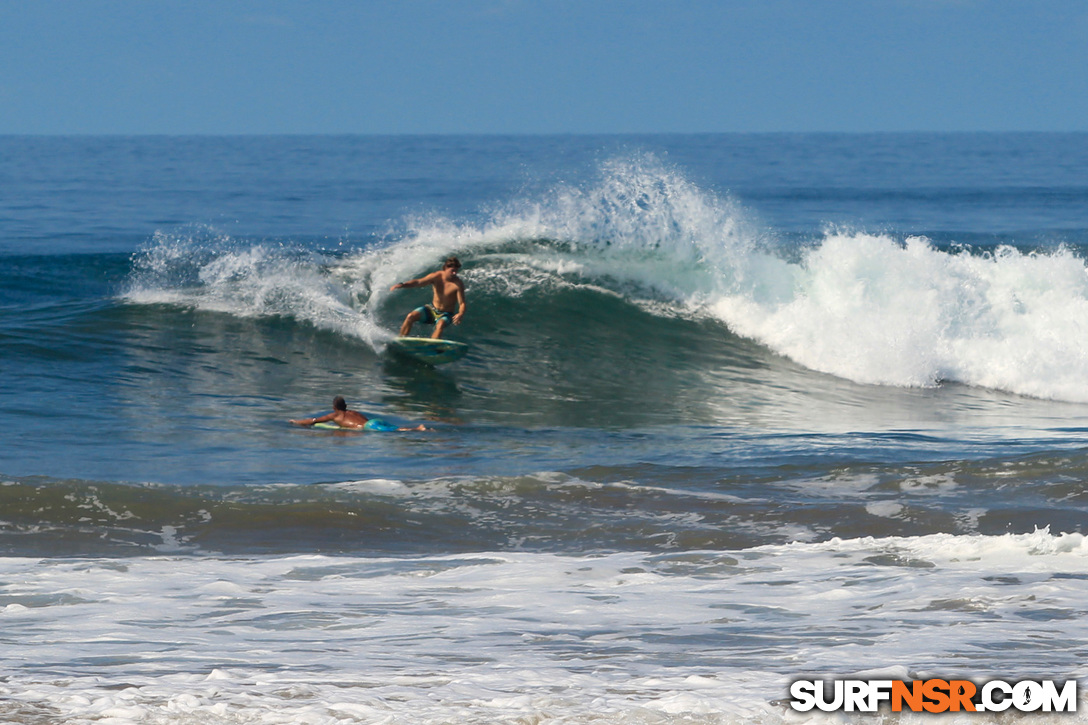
(503, 636)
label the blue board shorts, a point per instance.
(379, 425)
(428, 315)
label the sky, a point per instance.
(541, 66)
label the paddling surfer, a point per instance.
(448, 304)
(352, 419)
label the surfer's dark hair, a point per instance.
(338, 403)
(453, 262)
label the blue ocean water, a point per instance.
(738, 408)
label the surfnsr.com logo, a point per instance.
(934, 695)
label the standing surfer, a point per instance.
(449, 296)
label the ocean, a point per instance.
(739, 410)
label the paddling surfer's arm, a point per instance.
(312, 421)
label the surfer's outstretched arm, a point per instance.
(313, 421)
(421, 282)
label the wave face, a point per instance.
(641, 255)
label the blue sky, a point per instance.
(541, 66)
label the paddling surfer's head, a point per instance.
(338, 403)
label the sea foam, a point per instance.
(876, 310)
(514, 636)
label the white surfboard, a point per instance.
(427, 350)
